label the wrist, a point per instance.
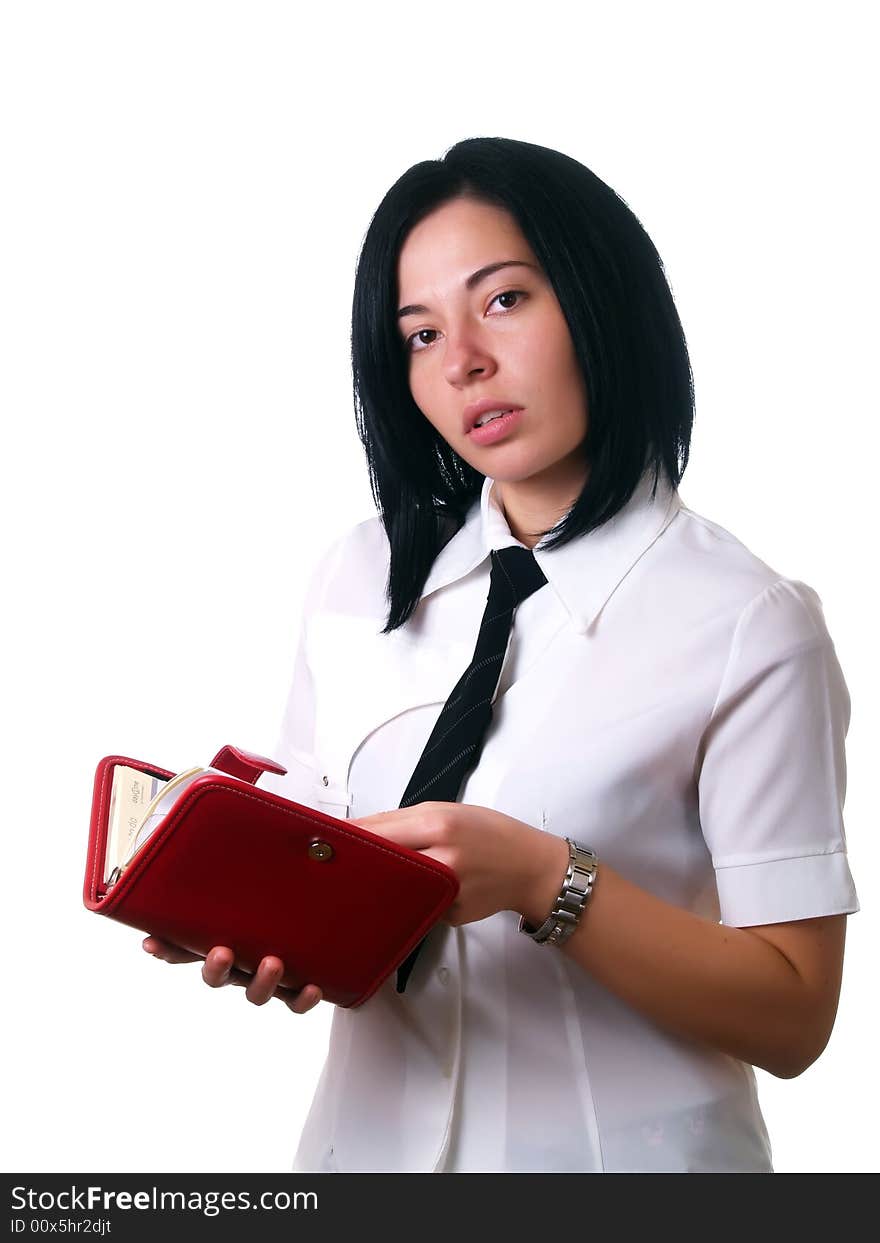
(545, 876)
(574, 893)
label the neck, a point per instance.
(532, 506)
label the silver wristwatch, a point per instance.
(567, 910)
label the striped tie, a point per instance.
(456, 740)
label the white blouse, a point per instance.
(671, 702)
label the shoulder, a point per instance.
(350, 572)
(717, 569)
(758, 614)
(721, 561)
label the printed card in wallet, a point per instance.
(232, 864)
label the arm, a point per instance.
(767, 995)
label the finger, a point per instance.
(217, 968)
(369, 821)
(303, 1001)
(265, 980)
(167, 951)
(415, 834)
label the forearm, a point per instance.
(716, 985)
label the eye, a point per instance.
(413, 348)
(410, 341)
(510, 293)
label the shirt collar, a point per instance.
(585, 572)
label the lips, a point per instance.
(489, 405)
(488, 418)
(496, 430)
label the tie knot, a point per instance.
(515, 570)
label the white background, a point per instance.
(186, 187)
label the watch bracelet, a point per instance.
(571, 900)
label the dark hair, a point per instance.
(627, 336)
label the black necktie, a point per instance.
(456, 740)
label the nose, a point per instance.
(466, 353)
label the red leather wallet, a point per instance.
(232, 864)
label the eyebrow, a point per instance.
(472, 281)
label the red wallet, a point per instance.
(232, 864)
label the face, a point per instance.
(497, 335)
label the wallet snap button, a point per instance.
(320, 851)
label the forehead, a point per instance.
(455, 239)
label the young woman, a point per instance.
(669, 713)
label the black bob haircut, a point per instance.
(628, 339)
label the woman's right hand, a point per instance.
(218, 970)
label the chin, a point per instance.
(513, 470)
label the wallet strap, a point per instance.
(245, 764)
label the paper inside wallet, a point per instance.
(131, 795)
(139, 802)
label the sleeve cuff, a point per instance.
(779, 890)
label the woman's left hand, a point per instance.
(500, 862)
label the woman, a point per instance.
(669, 712)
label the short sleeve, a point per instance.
(294, 748)
(772, 767)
